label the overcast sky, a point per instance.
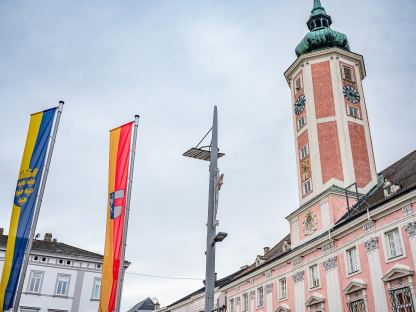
(170, 62)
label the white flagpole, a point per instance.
(126, 216)
(37, 209)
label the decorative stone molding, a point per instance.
(269, 274)
(371, 244)
(269, 288)
(237, 300)
(297, 262)
(354, 286)
(411, 229)
(310, 224)
(399, 271)
(298, 277)
(407, 210)
(328, 247)
(368, 226)
(330, 263)
(252, 293)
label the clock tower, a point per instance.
(331, 128)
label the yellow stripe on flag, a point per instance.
(32, 135)
(107, 276)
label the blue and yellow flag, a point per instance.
(24, 202)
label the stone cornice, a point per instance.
(333, 190)
(305, 57)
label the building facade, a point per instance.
(59, 278)
(352, 241)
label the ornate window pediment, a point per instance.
(398, 271)
(283, 308)
(314, 299)
(354, 286)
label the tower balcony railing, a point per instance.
(390, 188)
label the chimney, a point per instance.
(157, 306)
(266, 250)
(1, 231)
(47, 237)
(54, 240)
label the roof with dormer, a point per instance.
(56, 248)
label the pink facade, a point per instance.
(352, 240)
(329, 151)
(360, 154)
(322, 90)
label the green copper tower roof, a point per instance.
(321, 36)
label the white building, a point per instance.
(60, 277)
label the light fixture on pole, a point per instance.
(210, 153)
(220, 237)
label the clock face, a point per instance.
(351, 94)
(300, 104)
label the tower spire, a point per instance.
(321, 35)
(317, 8)
(318, 19)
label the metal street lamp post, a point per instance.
(215, 181)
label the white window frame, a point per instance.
(67, 286)
(314, 277)
(354, 112)
(301, 125)
(97, 280)
(28, 309)
(245, 302)
(231, 303)
(32, 272)
(260, 297)
(389, 255)
(304, 151)
(351, 72)
(282, 290)
(349, 263)
(298, 78)
(308, 181)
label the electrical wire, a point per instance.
(166, 277)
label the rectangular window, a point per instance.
(245, 302)
(304, 151)
(27, 309)
(96, 288)
(394, 244)
(353, 112)
(314, 276)
(298, 84)
(347, 73)
(307, 187)
(231, 305)
(282, 288)
(401, 300)
(35, 281)
(301, 122)
(62, 284)
(260, 297)
(352, 259)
